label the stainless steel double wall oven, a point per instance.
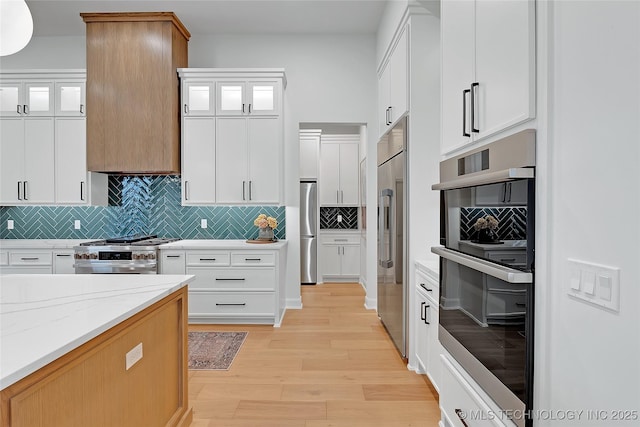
(487, 268)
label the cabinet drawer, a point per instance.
(427, 285)
(339, 239)
(458, 397)
(260, 279)
(30, 258)
(207, 258)
(4, 258)
(508, 257)
(253, 258)
(202, 303)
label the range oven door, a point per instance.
(486, 315)
(115, 268)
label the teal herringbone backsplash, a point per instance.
(138, 205)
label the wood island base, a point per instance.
(91, 385)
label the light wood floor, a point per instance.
(330, 364)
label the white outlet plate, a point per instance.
(76, 224)
(133, 356)
(594, 283)
(203, 223)
(9, 224)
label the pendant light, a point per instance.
(16, 26)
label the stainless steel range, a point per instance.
(120, 255)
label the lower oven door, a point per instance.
(486, 324)
(115, 268)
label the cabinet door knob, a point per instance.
(81, 108)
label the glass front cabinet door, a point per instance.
(198, 99)
(248, 98)
(23, 99)
(70, 99)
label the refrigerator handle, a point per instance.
(386, 263)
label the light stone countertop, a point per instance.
(41, 243)
(222, 244)
(43, 317)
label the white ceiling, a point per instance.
(62, 17)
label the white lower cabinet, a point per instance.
(427, 348)
(461, 405)
(230, 286)
(340, 257)
(26, 261)
(63, 261)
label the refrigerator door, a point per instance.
(392, 294)
(308, 208)
(308, 260)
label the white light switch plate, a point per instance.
(76, 224)
(9, 224)
(594, 283)
(203, 223)
(133, 356)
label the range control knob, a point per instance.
(85, 256)
(136, 256)
(93, 256)
(152, 256)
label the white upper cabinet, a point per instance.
(26, 98)
(309, 151)
(26, 153)
(70, 99)
(71, 160)
(43, 145)
(239, 98)
(248, 160)
(198, 98)
(198, 160)
(234, 155)
(339, 171)
(393, 85)
(488, 69)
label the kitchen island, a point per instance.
(93, 350)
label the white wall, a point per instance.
(330, 79)
(587, 357)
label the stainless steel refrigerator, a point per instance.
(308, 233)
(392, 268)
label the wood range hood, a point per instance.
(133, 93)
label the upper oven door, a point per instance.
(488, 201)
(491, 221)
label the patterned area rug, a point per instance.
(214, 350)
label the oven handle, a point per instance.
(506, 274)
(488, 178)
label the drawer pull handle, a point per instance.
(340, 240)
(507, 259)
(30, 259)
(230, 303)
(462, 416)
(207, 259)
(423, 286)
(173, 256)
(521, 304)
(63, 255)
(253, 259)
(228, 280)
